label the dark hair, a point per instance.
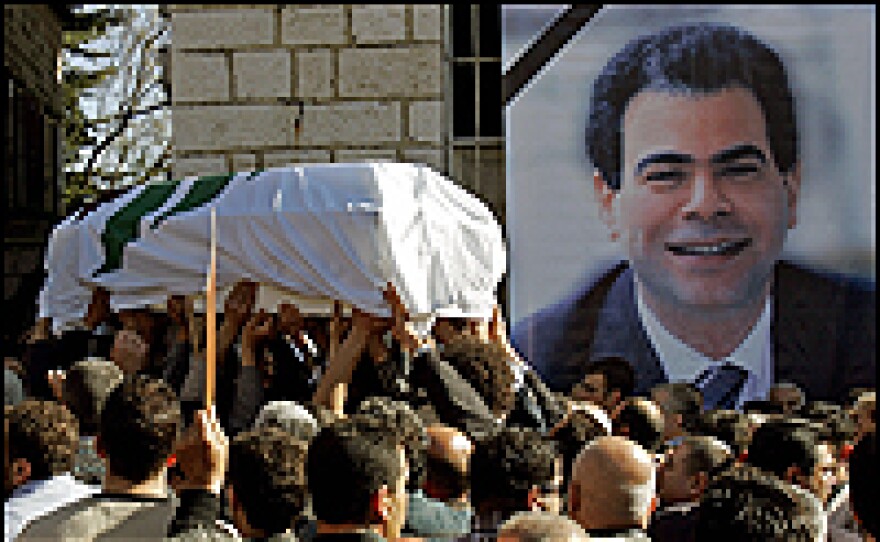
(644, 422)
(444, 475)
(700, 57)
(706, 454)
(267, 473)
(618, 372)
(506, 464)
(759, 406)
(45, 433)
(138, 427)
(744, 504)
(345, 468)
(386, 415)
(863, 483)
(684, 399)
(486, 367)
(724, 425)
(85, 390)
(778, 445)
(582, 428)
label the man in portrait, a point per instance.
(693, 136)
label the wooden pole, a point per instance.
(211, 312)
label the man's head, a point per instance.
(682, 406)
(289, 416)
(607, 382)
(693, 134)
(138, 427)
(863, 484)
(383, 416)
(541, 527)
(613, 485)
(486, 366)
(730, 427)
(792, 452)
(640, 420)
(585, 423)
(749, 505)
(447, 466)
(41, 441)
(788, 396)
(864, 414)
(513, 469)
(357, 479)
(267, 478)
(85, 390)
(689, 468)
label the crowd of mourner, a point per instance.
(356, 427)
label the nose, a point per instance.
(707, 199)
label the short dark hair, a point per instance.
(345, 468)
(85, 390)
(386, 415)
(706, 454)
(506, 464)
(701, 57)
(139, 426)
(685, 400)
(618, 372)
(725, 425)
(863, 483)
(451, 481)
(644, 422)
(267, 473)
(45, 433)
(747, 505)
(779, 444)
(485, 365)
(759, 406)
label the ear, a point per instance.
(606, 197)
(699, 483)
(21, 471)
(574, 498)
(380, 507)
(792, 183)
(533, 499)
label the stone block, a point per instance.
(199, 77)
(391, 72)
(244, 162)
(378, 23)
(220, 127)
(316, 74)
(292, 157)
(426, 121)
(357, 123)
(262, 74)
(222, 29)
(199, 166)
(366, 155)
(428, 22)
(320, 25)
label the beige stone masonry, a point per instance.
(316, 73)
(262, 74)
(322, 25)
(378, 23)
(391, 72)
(200, 77)
(222, 29)
(359, 123)
(225, 127)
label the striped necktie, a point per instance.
(721, 385)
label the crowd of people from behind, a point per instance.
(357, 428)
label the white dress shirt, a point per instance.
(682, 363)
(37, 498)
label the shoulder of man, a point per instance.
(542, 337)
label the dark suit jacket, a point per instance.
(822, 327)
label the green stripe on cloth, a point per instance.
(203, 190)
(122, 227)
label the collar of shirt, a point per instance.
(688, 363)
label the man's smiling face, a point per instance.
(703, 210)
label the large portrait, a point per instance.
(698, 147)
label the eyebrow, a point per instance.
(738, 152)
(663, 158)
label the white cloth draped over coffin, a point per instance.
(320, 232)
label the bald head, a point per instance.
(448, 460)
(612, 486)
(541, 527)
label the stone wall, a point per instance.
(372, 79)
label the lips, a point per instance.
(726, 247)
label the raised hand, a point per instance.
(260, 327)
(202, 454)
